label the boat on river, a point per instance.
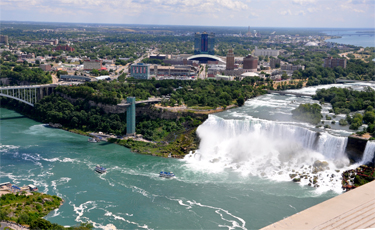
(100, 169)
(166, 174)
(92, 140)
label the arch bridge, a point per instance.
(28, 94)
(31, 94)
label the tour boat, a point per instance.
(92, 140)
(32, 188)
(100, 169)
(166, 174)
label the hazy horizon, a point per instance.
(233, 13)
(165, 25)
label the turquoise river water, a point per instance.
(131, 195)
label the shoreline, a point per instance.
(34, 202)
(138, 146)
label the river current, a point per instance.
(238, 179)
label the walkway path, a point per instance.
(354, 209)
(12, 226)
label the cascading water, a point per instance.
(369, 152)
(269, 149)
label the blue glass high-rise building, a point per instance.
(204, 43)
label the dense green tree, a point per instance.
(41, 224)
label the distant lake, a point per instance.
(359, 37)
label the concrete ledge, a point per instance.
(354, 209)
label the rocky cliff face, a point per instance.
(154, 113)
(355, 148)
(105, 107)
(108, 108)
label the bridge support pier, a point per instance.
(130, 116)
(40, 95)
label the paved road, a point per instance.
(202, 74)
(13, 226)
(126, 67)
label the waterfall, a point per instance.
(218, 130)
(264, 148)
(368, 154)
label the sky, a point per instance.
(255, 13)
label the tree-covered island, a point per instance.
(29, 209)
(310, 113)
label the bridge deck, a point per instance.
(38, 86)
(354, 209)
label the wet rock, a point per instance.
(315, 180)
(322, 165)
(46, 200)
(337, 170)
(215, 160)
(309, 184)
(297, 179)
(292, 176)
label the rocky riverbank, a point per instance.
(354, 178)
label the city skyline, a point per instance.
(270, 13)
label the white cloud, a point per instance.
(286, 12)
(301, 2)
(307, 13)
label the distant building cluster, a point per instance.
(274, 62)
(140, 71)
(4, 39)
(93, 64)
(291, 67)
(266, 52)
(250, 63)
(334, 62)
(177, 70)
(204, 43)
(45, 67)
(65, 48)
(230, 60)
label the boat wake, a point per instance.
(235, 221)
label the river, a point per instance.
(357, 37)
(238, 179)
